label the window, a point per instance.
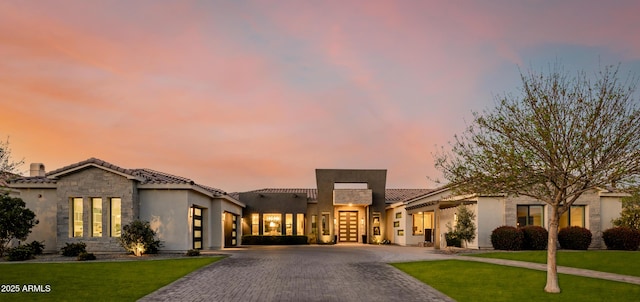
(116, 217)
(325, 224)
(398, 215)
(96, 217)
(288, 223)
(76, 209)
(573, 217)
(300, 224)
(314, 224)
(255, 224)
(530, 215)
(272, 224)
(422, 221)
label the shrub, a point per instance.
(193, 253)
(574, 238)
(84, 256)
(138, 238)
(36, 247)
(20, 253)
(452, 239)
(534, 237)
(74, 249)
(507, 238)
(621, 238)
(273, 240)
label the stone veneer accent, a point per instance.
(95, 183)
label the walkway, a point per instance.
(306, 273)
(561, 269)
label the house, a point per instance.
(348, 206)
(91, 200)
(428, 216)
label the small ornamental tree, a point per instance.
(465, 229)
(138, 238)
(16, 221)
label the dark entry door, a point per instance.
(197, 228)
(230, 231)
(348, 226)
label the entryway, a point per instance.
(230, 229)
(348, 226)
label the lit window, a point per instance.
(530, 215)
(272, 224)
(255, 224)
(76, 206)
(314, 224)
(573, 217)
(96, 217)
(116, 217)
(288, 220)
(422, 222)
(325, 224)
(300, 224)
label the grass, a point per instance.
(96, 281)
(618, 262)
(474, 281)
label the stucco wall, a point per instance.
(43, 203)
(610, 208)
(489, 215)
(168, 213)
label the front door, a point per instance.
(230, 229)
(197, 228)
(348, 226)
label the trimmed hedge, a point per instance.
(20, 253)
(507, 238)
(621, 238)
(574, 238)
(274, 240)
(74, 249)
(452, 239)
(534, 237)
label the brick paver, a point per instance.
(305, 273)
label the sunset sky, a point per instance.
(242, 95)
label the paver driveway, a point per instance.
(305, 273)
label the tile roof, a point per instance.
(5, 177)
(391, 195)
(145, 176)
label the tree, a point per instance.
(630, 215)
(465, 229)
(16, 221)
(8, 165)
(560, 137)
(138, 238)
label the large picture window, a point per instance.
(325, 224)
(272, 224)
(255, 224)
(116, 217)
(573, 217)
(422, 221)
(96, 217)
(300, 224)
(530, 215)
(76, 209)
(288, 220)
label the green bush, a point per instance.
(273, 240)
(138, 238)
(534, 237)
(74, 249)
(36, 247)
(193, 253)
(452, 239)
(507, 238)
(20, 253)
(574, 238)
(84, 256)
(621, 238)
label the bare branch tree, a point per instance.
(561, 137)
(7, 164)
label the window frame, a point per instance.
(96, 218)
(527, 223)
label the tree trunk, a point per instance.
(552, 247)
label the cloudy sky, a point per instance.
(242, 95)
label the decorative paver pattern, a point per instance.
(305, 273)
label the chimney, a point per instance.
(37, 169)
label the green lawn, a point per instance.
(474, 281)
(96, 281)
(618, 262)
